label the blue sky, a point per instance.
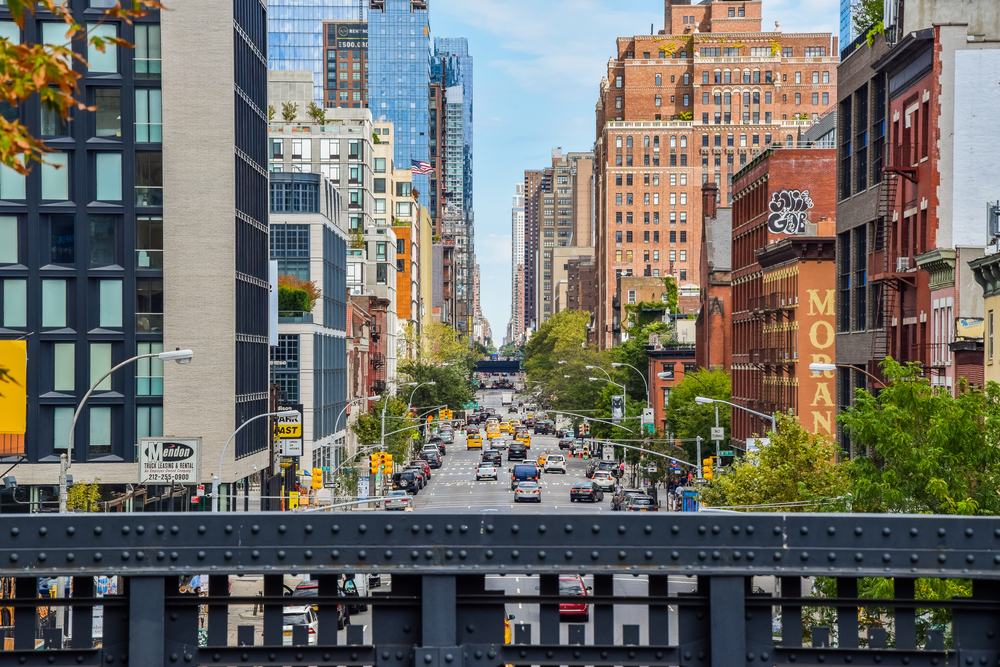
(538, 66)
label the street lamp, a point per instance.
(701, 400)
(66, 460)
(567, 376)
(617, 364)
(216, 478)
(425, 384)
(608, 381)
(823, 368)
(566, 362)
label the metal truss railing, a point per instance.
(721, 590)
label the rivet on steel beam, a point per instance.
(621, 530)
(428, 528)
(702, 555)
(515, 528)
(831, 556)
(675, 529)
(541, 555)
(362, 528)
(97, 530)
(942, 558)
(272, 656)
(70, 557)
(804, 530)
(914, 558)
(335, 528)
(804, 555)
(595, 529)
(648, 529)
(776, 530)
(576, 654)
(858, 531)
(362, 555)
(491, 654)
(701, 655)
(98, 556)
(715, 530)
(550, 654)
(449, 529)
(489, 528)
(216, 657)
(764, 655)
(906, 659)
(188, 657)
(428, 658)
(622, 555)
(253, 554)
(970, 559)
(428, 554)
(125, 555)
(524, 654)
(594, 555)
(202, 530)
(161, 529)
(568, 528)
(996, 559)
(674, 555)
(228, 555)
(541, 528)
(399, 655)
(737, 555)
(702, 530)
(751, 555)
(941, 532)
(407, 627)
(489, 553)
(335, 553)
(859, 556)
(996, 532)
(777, 555)
(385, 655)
(354, 656)
(886, 558)
(70, 530)
(687, 655)
(414, 528)
(736, 530)
(13, 558)
(792, 657)
(659, 655)
(388, 528)
(281, 554)
(750, 656)
(968, 532)
(449, 657)
(174, 657)
(649, 555)
(463, 529)
(886, 531)
(449, 554)
(750, 530)
(229, 530)
(821, 657)
(848, 658)
(43, 531)
(515, 554)
(174, 530)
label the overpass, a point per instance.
(498, 366)
(439, 606)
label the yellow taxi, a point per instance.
(507, 618)
(525, 438)
(506, 428)
(492, 433)
(515, 423)
(474, 440)
(542, 458)
(492, 421)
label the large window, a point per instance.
(149, 179)
(8, 240)
(55, 177)
(100, 431)
(148, 421)
(149, 242)
(290, 247)
(106, 61)
(108, 176)
(285, 366)
(108, 115)
(147, 51)
(100, 364)
(149, 372)
(15, 303)
(62, 239)
(861, 278)
(148, 121)
(61, 420)
(844, 295)
(64, 367)
(149, 305)
(11, 183)
(294, 197)
(110, 304)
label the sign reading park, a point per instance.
(171, 461)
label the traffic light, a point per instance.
(374, 463)
(317, 478)
(707, 467)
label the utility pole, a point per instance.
(698, 457)
(718, 457)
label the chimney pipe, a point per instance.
(709, 191)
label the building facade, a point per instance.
(345, 84)
(535, 182)
(516, 326)
(688, 106)
(714, 323)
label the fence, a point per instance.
(708, 588)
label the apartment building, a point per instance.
(915, 171)
(685, 107)
(535, 182)
(516, 325)
(783, 223)
(345, 67)
(714, 324)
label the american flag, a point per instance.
(418, 167)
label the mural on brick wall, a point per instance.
(789, 211)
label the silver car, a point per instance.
(398, 500)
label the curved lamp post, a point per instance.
(216, 478)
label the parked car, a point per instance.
(573, 585)
(421, 476)
(292, 616)
(423, 464)
(397, 500)
(586, 491)
(555, 463)
(487, 470)
(405, 481)
(528, 491)
(620, 500)
(641, 504)
(310, 589)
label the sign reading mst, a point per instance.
(169, 461)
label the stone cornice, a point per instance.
(987, 273)
(940, 263)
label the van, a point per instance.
(523, 473)
(474, 441)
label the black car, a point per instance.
(566, 443)
(641, 503)
(517, 450)
(492, 456)
(586, 491)
(406, 481)
(433, 460)
(421, 476)
(621, 498)
(595, 466)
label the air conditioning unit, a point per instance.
(902, 264)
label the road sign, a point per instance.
(608, 453)
(362, 488)
(651, 467)
(289, 432)
(718, 433)
(726, 452)
(648, 415)
(169, 461)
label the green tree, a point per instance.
(451, 386)
(294, 300)
(289, 111)
(922, 450)
(368, 427)
(441, 343)
(865, 14)
(687, 419)
(633, 353)
(796, 467)
(84, 497)
(563, 333)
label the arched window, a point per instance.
(673, 141)
(618, 142)
(628, 142)
(645, 141)
(684, 141)
(728, 99)
(656, 141)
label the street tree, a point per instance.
(368, 427)
(451, 387)
(687, 420)
(797, 467)
(920, 449)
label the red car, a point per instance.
(573, 585)
(422, 464)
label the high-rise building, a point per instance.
(452, 65)
(534, 182)
(296, 35)
(345, 84)
(685, 107)
(90, 276)
(399, 78)
(516, 326)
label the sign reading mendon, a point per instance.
(169, 461)
(352, 36)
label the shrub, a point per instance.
(291, 299)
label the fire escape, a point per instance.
(900, 163)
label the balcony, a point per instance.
(294, 317)
(776, 301)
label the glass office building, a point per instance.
(452, 65)
(295, 33)
(399, 78)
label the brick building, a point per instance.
(916, 165)
(713, 329)
(786, 192)
(679, 360)
(688, 106)
(346, 67)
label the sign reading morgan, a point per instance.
(167, 461)
(789, 211)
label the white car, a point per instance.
(487, 471)
(528, 491)
(292, 616)
(555, 463)
(398, 500)
(604, 480)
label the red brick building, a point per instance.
(685, 107)
(782, 295)
(713, 329)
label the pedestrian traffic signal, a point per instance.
(707, 465)
(317, 478)
(374, 463)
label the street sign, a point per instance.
(648, 415)
(289, 432)
(726, 452)
(608, 453)
(718, 433)
(651, 467)
(169, 461)
(362, 488)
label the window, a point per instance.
(657, 100)
(64, 367)
(656, 236)
(100, 364)
(108, 176)
(659, 79)
(687, 98)
(628, 255)
(403, 209)
(11, 183)
(149, 179)
(826, 99)
(379, 206)
(618, 102)
(53, 124)
(628, 237)
(798, 99)
(61, 419)
(8, 240)
(329, 149)
(290, 247)
(687, 79)
(826, 77)
(684, 255)
(62, 239)
(107, 61)
(110, 304)
(990, 327)
(704, 140)
(100, 430)
(149, 372)
(618, 82)
(148, 121)
(147, 51)
(656, 198)
(149, 304)
(55, 177)
(704, 75)
(798, 77)
(149, 242)
(673, 255)
(618, 255)
(786, 52)
(15, 303)
(727, 77)
(148, 421)
(815, 98)
(673, 236)
(815, 51)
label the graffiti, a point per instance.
(789, 211)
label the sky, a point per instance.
(538, 67)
